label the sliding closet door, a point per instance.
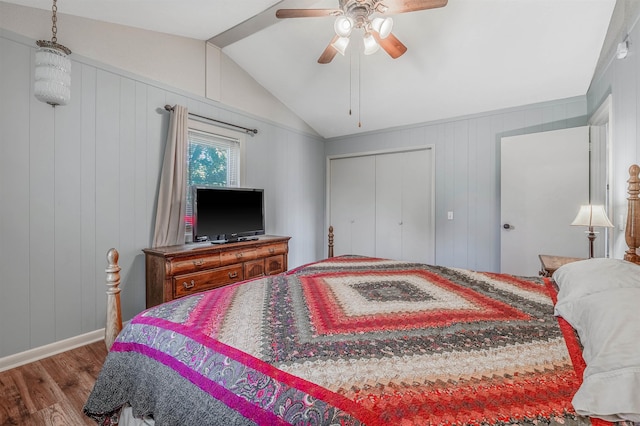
(352, 183)
(382, 205)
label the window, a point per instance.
(213, 159)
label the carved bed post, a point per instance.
(632, 230)
(114, 316)
(330, 241)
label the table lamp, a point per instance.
(592, 216)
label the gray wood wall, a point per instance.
(620, 78)
(467, 151)
(78, 179)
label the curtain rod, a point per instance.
(246, 129)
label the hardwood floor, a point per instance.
(51, 391)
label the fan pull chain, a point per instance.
(350, 79)
(359, 92)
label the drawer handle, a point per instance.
(187, 286)
(198, 262)
(238, 255)
(272, 250)
(233, 275)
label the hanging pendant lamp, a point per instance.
(52, 68)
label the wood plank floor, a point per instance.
(51, 391)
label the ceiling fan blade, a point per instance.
(329, 52)
(390, 44)
(403, 6)
(306, 13)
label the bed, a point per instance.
(353, 340)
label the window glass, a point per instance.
(213, 159)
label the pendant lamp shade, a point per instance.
(52, 76)
(52, 68)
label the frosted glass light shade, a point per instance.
(341, 44)
(52, 76)
(370, 44)
(592, 215)
(343, 26)
(383, 26)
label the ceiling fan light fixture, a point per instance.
(343, 26)
(370, 44)
(382, 26)
(341, 44)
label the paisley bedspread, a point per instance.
(348, 341)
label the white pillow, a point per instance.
(600, 298)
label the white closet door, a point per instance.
(352, 197)
(404, 219)
(417, 207)
(389, 193)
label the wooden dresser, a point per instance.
(177, 271)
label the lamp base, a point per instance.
(591, 235)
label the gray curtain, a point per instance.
(169, 227)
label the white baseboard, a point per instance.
(54, 348)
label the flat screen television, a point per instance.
(222, 214)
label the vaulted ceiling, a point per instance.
(468, 57)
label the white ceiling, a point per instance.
(468, 57)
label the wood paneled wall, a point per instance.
(620, 78)
(78, 179)
(467, 180)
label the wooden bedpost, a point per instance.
(330, 241)
(632, 230)
(114, 315)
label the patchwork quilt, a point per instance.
(348, 341)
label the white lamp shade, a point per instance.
(370, 44)
(341, 44)
(592, 215)
(52, 76)
(383, 26)
(343, 26)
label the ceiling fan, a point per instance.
(359, 14)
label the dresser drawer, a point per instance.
(273, 249)
(227, 258)
(274, 265)
(186, 284)
(253, 268)
(194, 264)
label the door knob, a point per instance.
(507, 226)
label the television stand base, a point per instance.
(235, 240)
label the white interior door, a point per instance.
(544, 179)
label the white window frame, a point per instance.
(220, 133)
(223, 133)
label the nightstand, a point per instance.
(549, 263)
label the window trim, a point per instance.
(195, 124)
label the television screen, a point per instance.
(227, 214)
